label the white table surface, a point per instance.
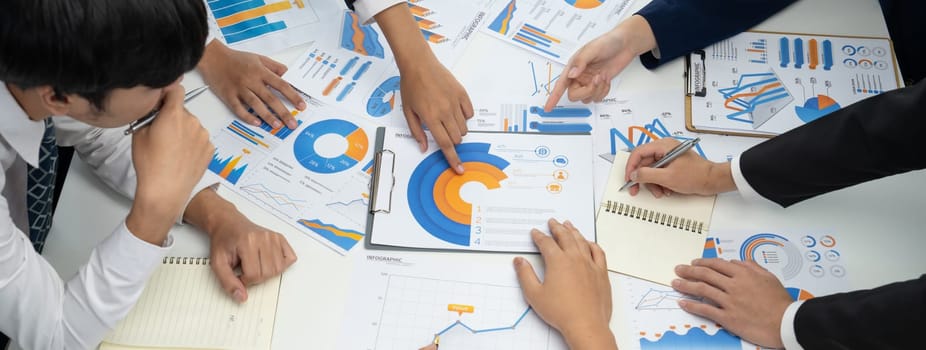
(880, 223)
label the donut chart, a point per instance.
(382, 100)
(305, 147)
(585, 4)
(434, 190)
(773, 252)
(798, 294)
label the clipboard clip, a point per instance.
(695, 74)
(383, 170)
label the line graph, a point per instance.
(472, 315)
(542, 85)
(661, 300)
(637, 135)
(487, 330)
(755, 98)
(264, 194)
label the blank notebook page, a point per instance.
(646, 237)
(183, 306)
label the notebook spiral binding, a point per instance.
(176, 260)
(655, 217)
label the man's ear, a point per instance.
(55, 103)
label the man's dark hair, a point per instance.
(90, 47)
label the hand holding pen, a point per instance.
(685, 172)
(148, 118)
(666, 159)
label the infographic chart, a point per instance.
(509, 188)
(354, 68)
(637, 119)
(315, 177)
(525, 118)
(553, 29)
(529, 78)
(266, 26)
(651, 319)
(405, 302)
(768, 83)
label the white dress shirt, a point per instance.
(788, 335)
(37, 309)
(366, 9)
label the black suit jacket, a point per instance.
(887, 317)
(873, 138)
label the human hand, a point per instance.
(687, 174)
(750, 301)
(260, 253)
(169, 156)
(587, 77)
(243, 79)
(433, 96)
(575, 295)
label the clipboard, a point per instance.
(418, 203)
(815, 75)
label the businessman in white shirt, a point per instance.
(68, 70)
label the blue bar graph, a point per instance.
(798, 53)
(524, 121)
(827, 55)
(562, 112)
(248, 28)
(555, 127)
(784, 53)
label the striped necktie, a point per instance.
(40, 196)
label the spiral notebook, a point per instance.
(646, 237)
(184, 307)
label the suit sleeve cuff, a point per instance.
(788, 336)
(366, 9)
(742, 186)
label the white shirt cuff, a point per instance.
(656, 53)
(788, 337)
(742, 186)
(366, 9)
(113, 279)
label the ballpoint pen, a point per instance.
(148, 118)
(669, 157)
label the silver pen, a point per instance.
(148, 118)
(669, 157)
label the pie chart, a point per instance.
(816, 107)
(307, 145)
(382, 100)
(585, 4)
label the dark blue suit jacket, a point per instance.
(873, 138)
(682, 26)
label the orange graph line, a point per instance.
(761, 91)
(508, 15)
(358, 36)
(254, 13)
(542, 35)
(249, 137)
(526, 40)
(640, 129)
